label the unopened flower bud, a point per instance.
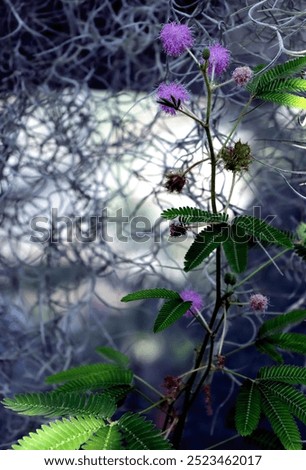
(206, 54)
(230, 279)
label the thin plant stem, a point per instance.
(223, 442)
(209, 138)
(234, 351)
(144, 382)
(230, 193)
(232, 372)
(193, 57)
(223, 331)
(188, 399)
(194, 165)
(238, 120)
(154, 405)
(192, 371)
(261, 267)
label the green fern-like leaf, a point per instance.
(263, 231)
(112, 354)
(117, 392)
(61, 404)
(281, 321)
(204, 244)
(266, 440)
(170, 312)
(158, 293)
(247, 408)
(264, 346)
(141, 434)
(193, 214)
(281, 420)
(285, 99)
(106, 438)
(107, 379)
(81, 371)
(61, 434)
(292, 85)
(294, 400)
(287, 69)
(284, 373)
(236, 250)
(294, 342)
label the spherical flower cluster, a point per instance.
(175, 182)
(195, 298)
(176, 38)
(258, 303)
(242, 75)
(219, 59)
(177, 230)
(174, 93)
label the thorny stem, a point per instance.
(209, 137)
(189, 397)
(209, 338)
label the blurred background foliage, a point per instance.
(80, 134)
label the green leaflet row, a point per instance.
(234, 237)
(85, 400)
(279, 85)
(273, 394)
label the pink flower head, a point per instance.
(195, 298)
(242, 75)
(258, 303)
(172, 385)
(168, 91)
(219, 59)
(176, 38)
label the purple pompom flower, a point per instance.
(176, 38)
(168, 91)
(258, 302)
(242, 75)
(195, 298)
(219, 60)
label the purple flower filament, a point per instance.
(218, 61)
(176, 38)
(170, 97)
